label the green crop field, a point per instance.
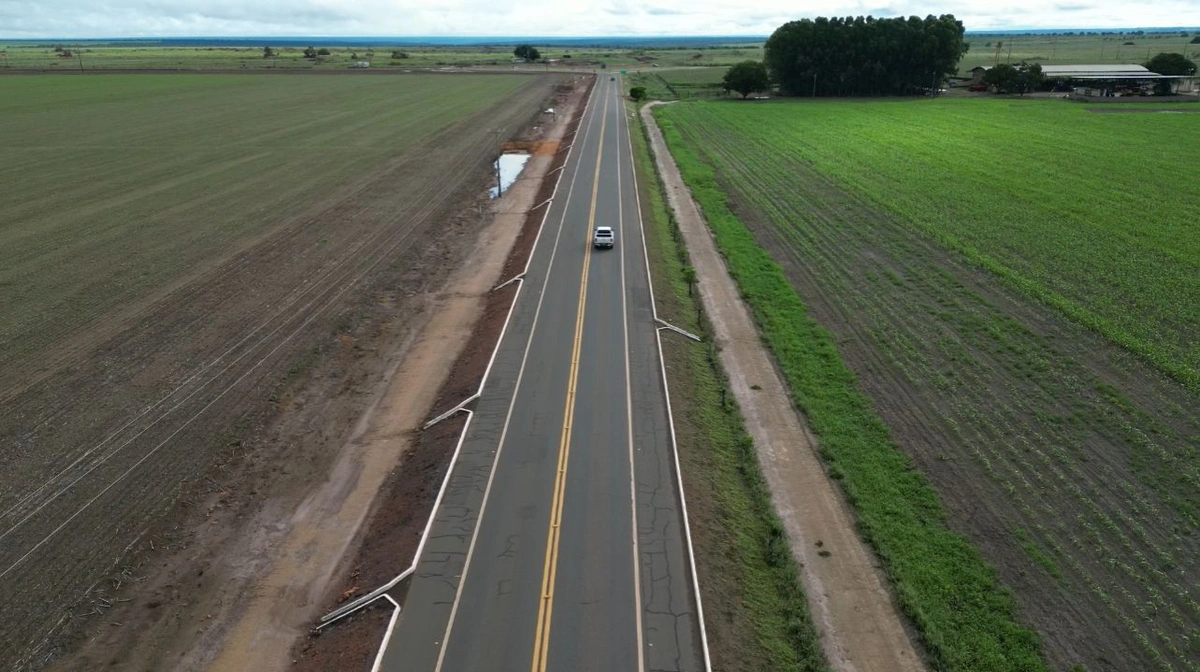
(1001, 293)
(116, 185)
(1092, 213)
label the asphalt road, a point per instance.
(559, 543)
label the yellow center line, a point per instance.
(541, 642)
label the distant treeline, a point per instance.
(864, 56)
(614, 42)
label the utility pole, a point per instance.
(1010, 52)
(79, 55)
(814, 95)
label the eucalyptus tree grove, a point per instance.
(864, 56)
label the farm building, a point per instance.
(1114, 80)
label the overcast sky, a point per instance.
(171, 18)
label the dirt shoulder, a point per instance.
(860, 624)
(387, 543)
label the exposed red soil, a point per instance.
(407, 497)
(350, 645)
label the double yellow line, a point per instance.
(541, 642)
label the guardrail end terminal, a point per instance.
(682, 332)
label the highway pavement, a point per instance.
(559, 544)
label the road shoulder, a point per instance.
(860, 624)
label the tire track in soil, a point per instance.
(167, 444)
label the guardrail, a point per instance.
(380, 592)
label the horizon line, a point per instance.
(484, 39)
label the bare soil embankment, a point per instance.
(393, 533)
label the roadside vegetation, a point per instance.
(964, 617)
(757, 613)
(1008, 283)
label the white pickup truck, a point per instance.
(604, 237)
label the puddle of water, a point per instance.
(507, 167)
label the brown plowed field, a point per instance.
(118, 428)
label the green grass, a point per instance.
(117, 186)
(1090, 213)
(680, 83)
(965, 618)
(1073, 49)
(757, 612)
(101, 55)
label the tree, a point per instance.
(268, 52)
(1023, 78)
(322, 52)
(637, 93)
(1029, 77)
(1196, 40)
(746, 78)
(399, 55)
(864, 56)
(310, 53)
(1001, 78)
(1169, 64)
(526, 52)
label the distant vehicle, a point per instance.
(978, 87)
(612, 79)
(604, 237)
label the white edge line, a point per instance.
(387, 635)
(637, 556)
(687, 528)
(373, 595)
(462, 579)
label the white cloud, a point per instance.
(168, 18)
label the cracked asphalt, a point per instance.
(474, 599)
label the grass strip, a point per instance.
(965, 617)
(757, 612)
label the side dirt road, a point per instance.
(860, 625)
(269, 483)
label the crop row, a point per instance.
(1001, 389)
(1090, 213)
(964, 616)
(116, 187)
